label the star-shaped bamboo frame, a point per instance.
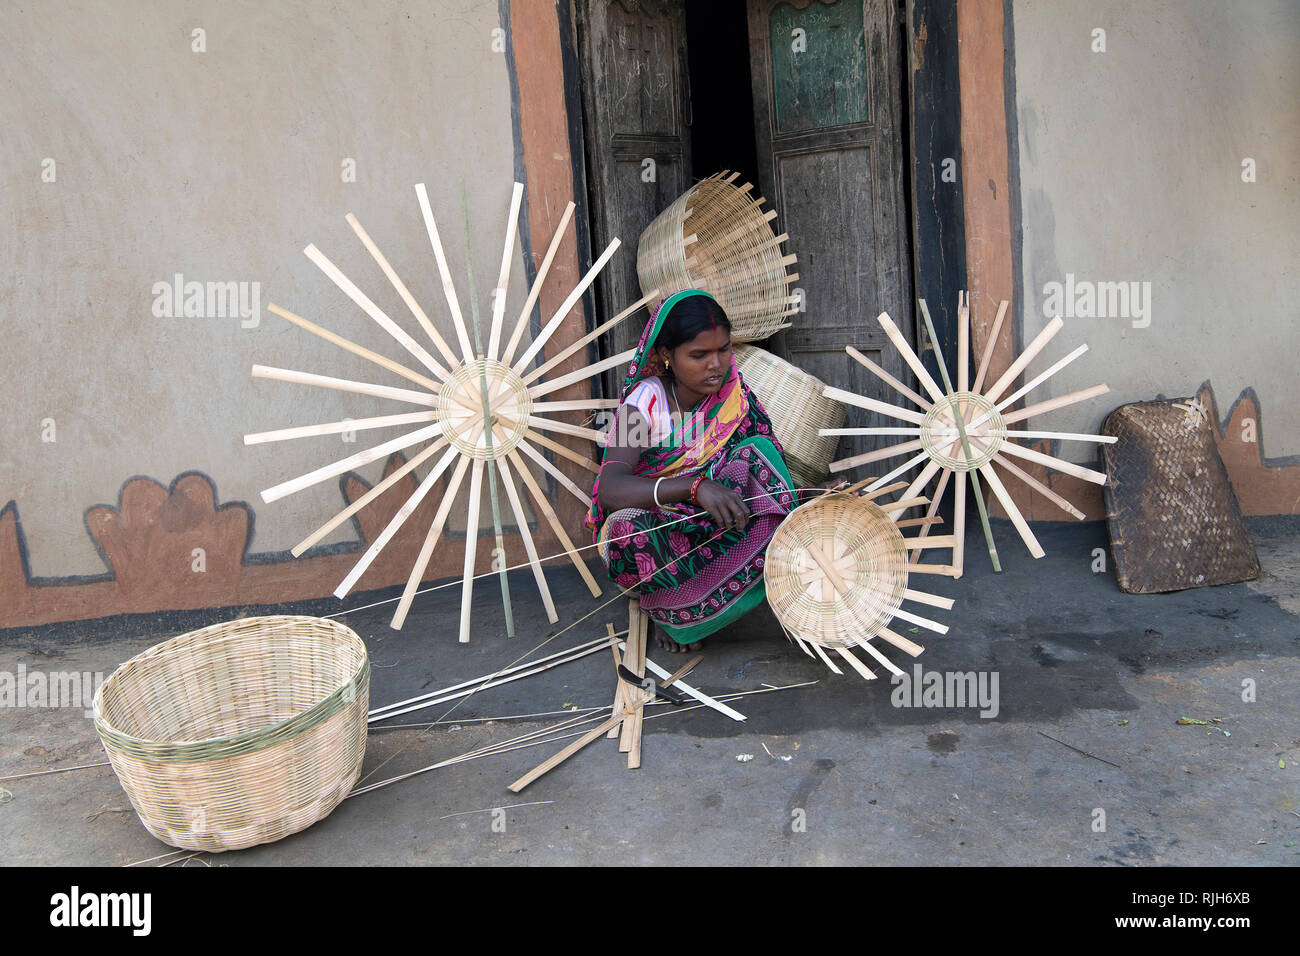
(972, 439)
(483, 410)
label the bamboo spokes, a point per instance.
(989, 345)
(379, 488)
(394, 525)
(381, 318)
(1038, 486)
(871, 405)
(503, 279)
(562, 312)
(430, 541)
(405, 293)
(345, 385)
(521, 522)
(1027, 356)
(365, 353)
(522, 322)
(886, 377)
(589, 337)
(555, 473)
(336, 428)
(448, 287)
(337, 468)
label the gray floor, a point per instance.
(838, 773)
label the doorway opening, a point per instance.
(721, 90)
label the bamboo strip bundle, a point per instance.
(733, 254)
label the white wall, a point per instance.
(222, 166)
(1131, 170)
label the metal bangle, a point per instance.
(658, 504)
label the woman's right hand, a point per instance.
(724, 504)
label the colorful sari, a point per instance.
(692, 577)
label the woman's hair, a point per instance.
(688, 318)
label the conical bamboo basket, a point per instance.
(836, 571)
(793, 400)
(240, 733)
(716, 237)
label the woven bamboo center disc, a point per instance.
(940, 439)
(460, 402)
(836, 570)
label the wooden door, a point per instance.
(636, 108)
(827, 110)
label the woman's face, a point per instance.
(702, 363)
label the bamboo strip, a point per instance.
(1054, 403)
(1017, 519)
(933, 600)
(555, 473)
(910, 356)
(871, 405)
(522, 322)
(902, 504)
(910, 463)
(587, 373)
(920, 621)
(887, 378)
(1038, 486)
(902, 643)
(430, 541)
(471, 548)
(931, 513)
(562, 312)
(692, 692)
(1025, 357)
(384, 712)
(448, 286)
(885, 662)
(559, 449)
(397, 283)
(345, 385)
(564, 428)
(521, 521)
(989, 346)
(335, 339)
(549, 513)
(938, 541)
(880, 454)
(1031, 385)
(868, 431)
(349, 288)
(963, 341)
(576, 405)
(589, 338)
(1058, 436)
(848, 656)
(503, 279)
(394, 525)
(1078, 471)
(335, 428)
(632, 660)
(620, 685)
(397, 475)
(334, 469)
(826, 659)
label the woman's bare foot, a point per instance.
(664, 642)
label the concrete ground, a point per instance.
(838, 775)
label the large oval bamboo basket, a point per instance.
(793, 400)
(836, 570)
(240, 733)
(716, 237)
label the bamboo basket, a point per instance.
(240, 733)
(836, 571)
(716, 237)
(794, 401)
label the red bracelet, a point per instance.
(696, 487)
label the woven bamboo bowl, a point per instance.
(716, 237)
(240, 733)
(794, 401)
(836, 570)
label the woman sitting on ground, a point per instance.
(692, 485)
